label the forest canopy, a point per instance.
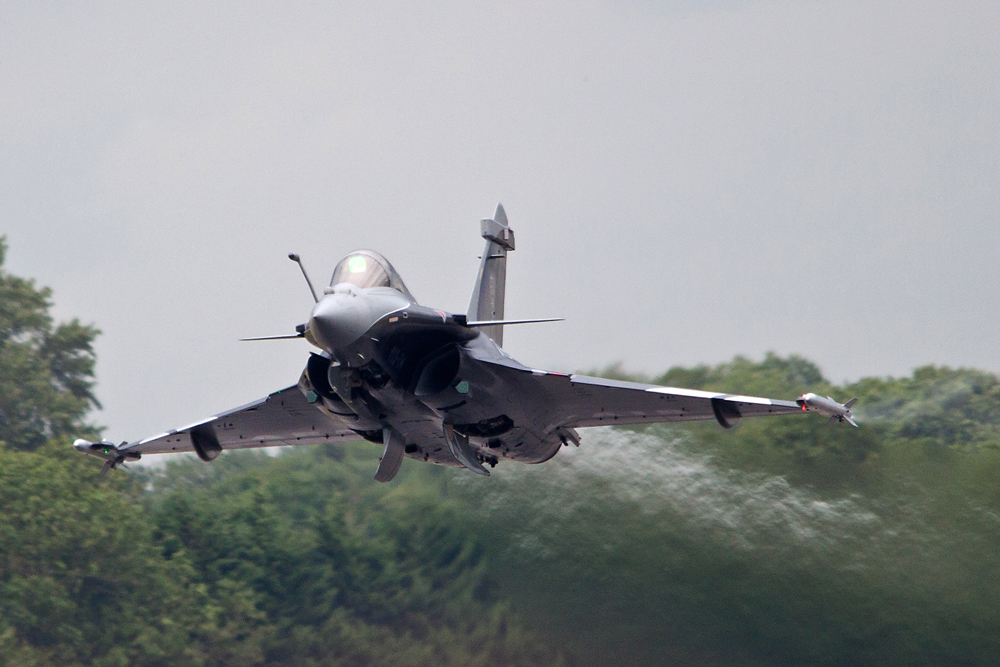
(784, 541)
(46, 370)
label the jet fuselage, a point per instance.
(437, 387)
(391, 364)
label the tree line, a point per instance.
(784, 541)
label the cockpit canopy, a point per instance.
(367, 268)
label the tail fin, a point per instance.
(491, 283)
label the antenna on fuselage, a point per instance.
(295, 258)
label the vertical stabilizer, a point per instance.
(488, 294)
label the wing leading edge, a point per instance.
(282, 418)
(581, 400)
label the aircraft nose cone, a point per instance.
(338, 320)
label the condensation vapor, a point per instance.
(642, 539)
(656, 474)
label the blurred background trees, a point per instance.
(781, 542)
(238, 564)
(46, 370)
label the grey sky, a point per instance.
(688, 181)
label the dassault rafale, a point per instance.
(436, 386)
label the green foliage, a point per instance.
(643, 551)
(46, 370)
(263, 562)
(300, 560)
(943, 406)
(81, 582)
(803, 449)
(775, 376)
(340, 570)
(785, 541)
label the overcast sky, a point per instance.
(687, 180)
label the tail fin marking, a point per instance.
(491, 282)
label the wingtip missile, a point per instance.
(828, 407)
(108, 452)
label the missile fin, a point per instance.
(850, 403)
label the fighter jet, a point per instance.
(436, 386)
